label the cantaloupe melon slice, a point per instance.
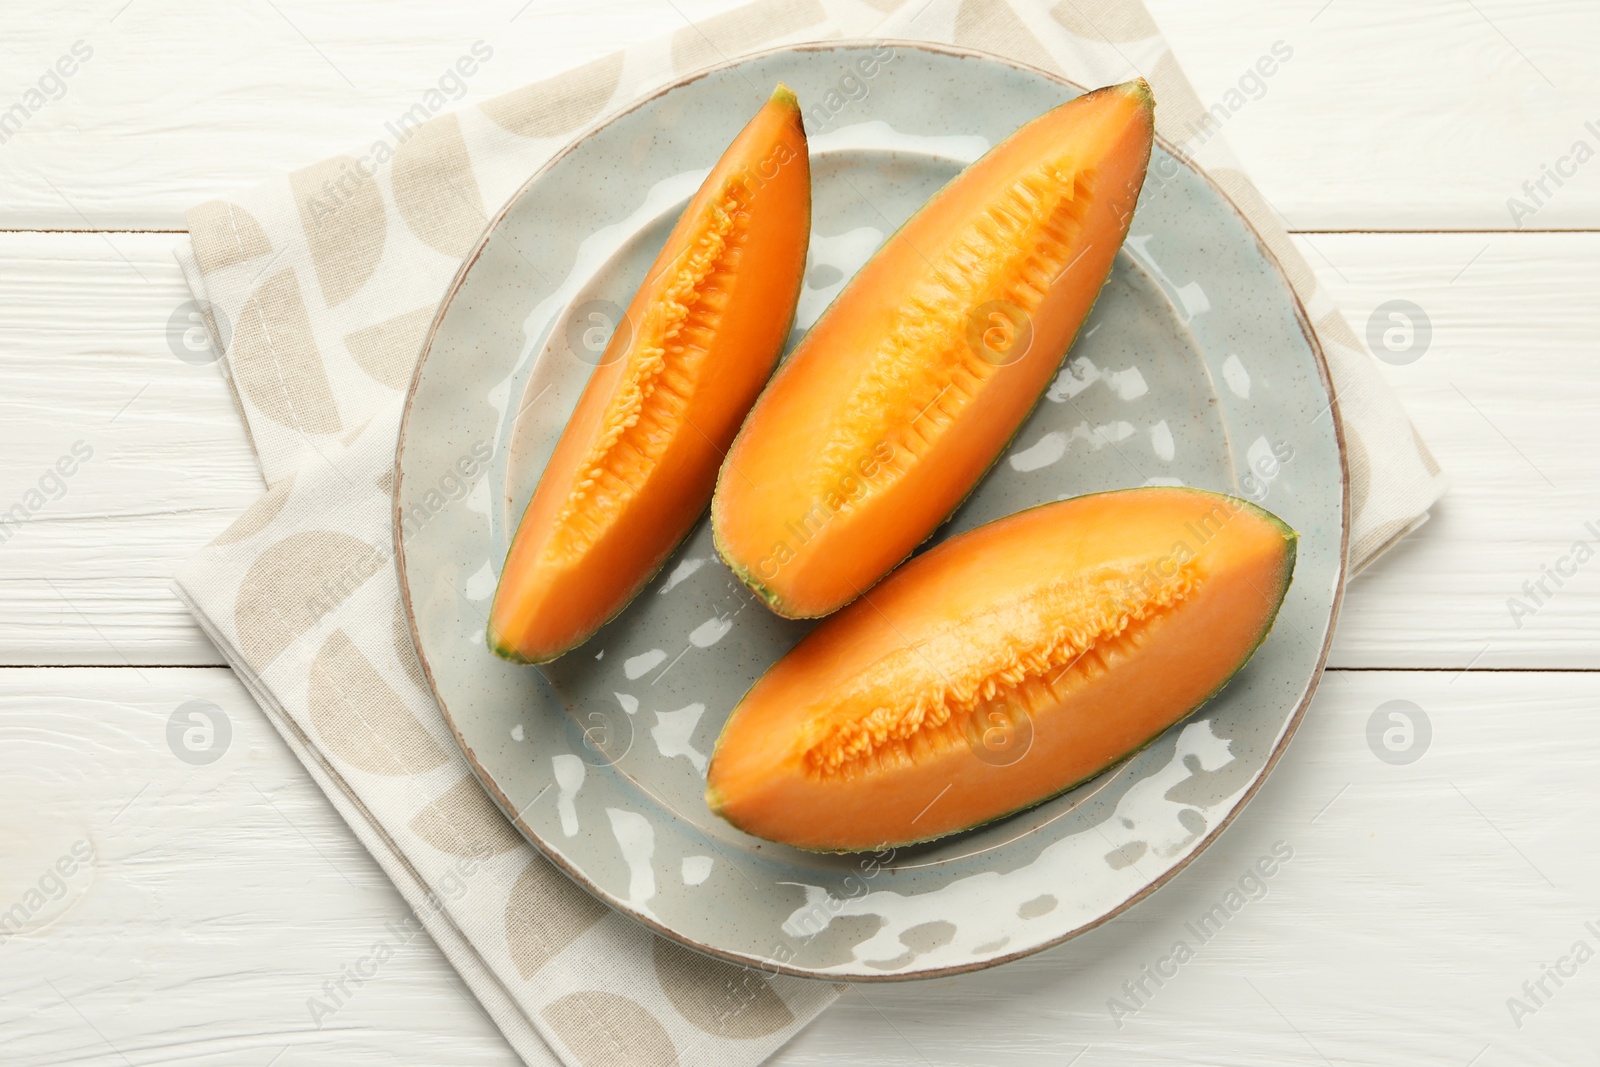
(638, 459)
(901, 396)
(1001, 668)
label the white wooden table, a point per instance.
(218, 898)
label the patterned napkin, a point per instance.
(318, 287)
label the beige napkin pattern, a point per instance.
(320, 285)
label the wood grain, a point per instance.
(1418, 899)
(1416, 116)
(1426, 115)
(85, 357)
(1508, 398)
(220, 899)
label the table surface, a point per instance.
(1421, 897)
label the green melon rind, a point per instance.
(782, 94)
(1291, 539)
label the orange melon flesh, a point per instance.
(1001, 668)
(637, 462)
(906, 390)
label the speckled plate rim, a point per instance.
(510, 810)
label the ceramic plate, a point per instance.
(1196, 368)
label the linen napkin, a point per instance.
(318, 287)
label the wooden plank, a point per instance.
(182, 102)
(1416, 116)
(219, 899)
(1423, 115)
(85, 359)
(1419, 897)
(1506, 394)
